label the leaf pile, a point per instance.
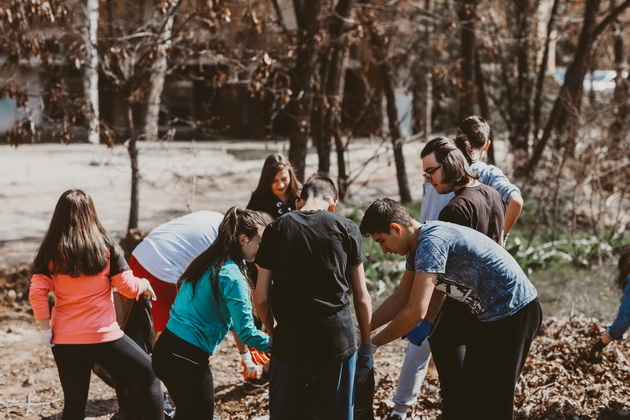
(558, 382)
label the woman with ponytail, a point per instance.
(213, 297)
(80, 263)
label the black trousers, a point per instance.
(185, 370)
(494, 356)
(122, 358)
(448, 346)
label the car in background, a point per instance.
(597, 81)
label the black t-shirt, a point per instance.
(479, 207)
(270, 203)
(309, 253)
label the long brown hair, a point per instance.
(76, 241)
(452, 159)
(274, 164)
(226, 246)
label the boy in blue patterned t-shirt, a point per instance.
(461, 263)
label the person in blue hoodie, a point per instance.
(622, 322)
(214, 296)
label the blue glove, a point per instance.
(365, 361)
(420, 332)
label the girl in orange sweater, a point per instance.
(80, 263)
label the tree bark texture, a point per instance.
(520, 106)
(90, 72)
(466, 11)
(568, 102)
(132, 149)
(542, 71)
(622, 91)
(307, 16)
(330, 83)
(379, 51)
(158, 74)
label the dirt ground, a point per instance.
(183, 177)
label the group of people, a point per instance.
(284, 276)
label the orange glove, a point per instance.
(259, 357)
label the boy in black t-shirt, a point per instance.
(310, 262)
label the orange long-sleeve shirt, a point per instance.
(84, 307)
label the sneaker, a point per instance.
(255, 386)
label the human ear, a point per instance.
(396, 228)
(299, 203)
(242, 238)
(332, 206)
(487, 145)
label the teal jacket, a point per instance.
(197, 319)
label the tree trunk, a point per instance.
(342, 178)
(428, 117)
(331, 82)
(379, 52)
(132, 148)
(320, 105)
(622, 91)
(307, 16)
(90, 72)
(158, 74)
(542, 71)
(466, 11)
(570, 97)
(484, 104)
(340, 146)
(394, 132)
(520, 107)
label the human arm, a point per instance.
(41, 286)
(421, 331)
(126, 283)
(235, 292)
(616, 330)
(512, 213)
(412, 313)
(394, 302)
(622, 322)
(362, 301)
(261, 298)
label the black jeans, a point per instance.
(185, 370)
(495, 355)
(448, 346)
(122, 358)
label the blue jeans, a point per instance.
(327, 386)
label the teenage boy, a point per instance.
(472, 210)
(469, 267)
(310, 262)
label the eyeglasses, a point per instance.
(428, 174)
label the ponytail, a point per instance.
(463, 144)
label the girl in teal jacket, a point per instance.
(213, 298)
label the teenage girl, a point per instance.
(277, 189)
(213, 297)
(80, 263)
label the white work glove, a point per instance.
(250, 370)
(46, 337)
(146, 288)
